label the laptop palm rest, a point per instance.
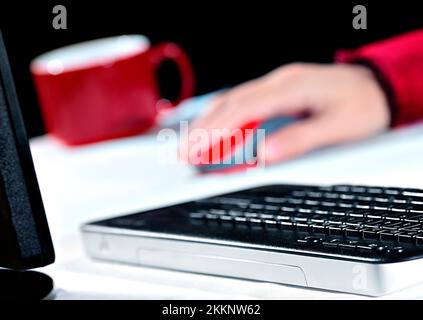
(245, 268)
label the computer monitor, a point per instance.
(25, 241)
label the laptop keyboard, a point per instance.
(347, 217)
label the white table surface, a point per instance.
(117, 177)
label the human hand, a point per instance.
(343, 102)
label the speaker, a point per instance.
(25, 240)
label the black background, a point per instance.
(228, 41)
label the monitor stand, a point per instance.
(27, 285)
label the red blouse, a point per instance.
(398, 63)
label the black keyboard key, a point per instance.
(331, 243)
(251, 214)
(358, 189)
(310, 240)
(366, 248)
(392, 191)
(319, 228)
(318, 219)
(372, 223)
(303, 227)
(354, 214)
(364, 198)
(271, 208)
(382, 199)
(224, 201)
(283, 218)
(387, 235)
(346, 205)
(223, 218)
(413, 217)
(407, 237)
(419, 238)
(295, 201)
(288, 209)
(217, 211)
(211, 216)
(305, 210)
(389, 224)
(296, 218)
(348, 245)
(241, 221)
(381, 207)
(350, 221)
(328, 203)
(336, 231)
(399, 208)
(197, 215)
(411, 225)
(279, 200)
(363, 206)
(258, 206)
(339, 212)
(415, 209)
(313, 239)
(342, 188)
(270, 223)
(375, 215)
(312, 203)
(382, 248)
(397, 250)
(347, 196)
(374, 190)
(255, 221)
(409, 192)
(299, 193)
(400, 200)
(352, 232)
(322, 211)
(314, 194)
(266, 216)
(394, 216)
(325, 188)
(287, 225)
(234, 213)
(330, 195)
(373, 234)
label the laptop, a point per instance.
(25, 241)
(365, 240)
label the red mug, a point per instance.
(105, 89)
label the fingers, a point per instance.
(221, 112)
(269, 96)
(210, 111)
(344, 104)
(280, 92)
(300, 138)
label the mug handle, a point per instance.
(173, 52)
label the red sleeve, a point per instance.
(398, 63)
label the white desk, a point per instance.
(117, 177)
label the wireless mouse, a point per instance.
(236, 153)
